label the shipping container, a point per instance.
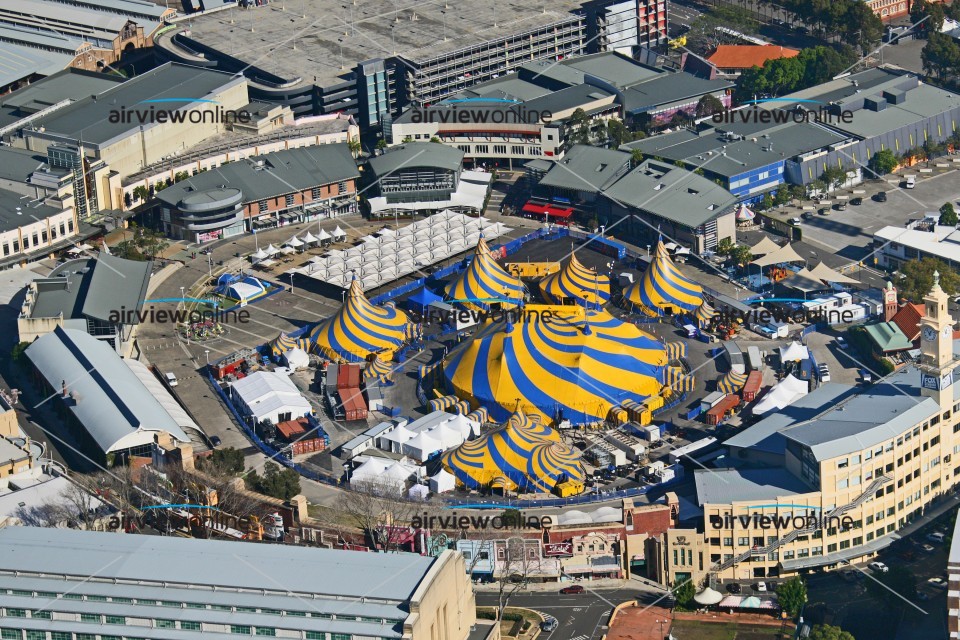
(354, 407)
(711, 400)
(716, 415)
(752, 386)
(349, 376)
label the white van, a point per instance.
(171, 379)
(911, 182)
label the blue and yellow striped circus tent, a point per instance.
(676, 350)
(283, 343)
(360, 329)
(678, 381)
(524, 454)
(378, 370)
(577, 282)
(731, 382)
(663, 289)
(573, 364)
(485, 282)
(705, 313)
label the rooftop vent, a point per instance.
(658, 187)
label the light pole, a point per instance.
(648, 252)
(209, 263)
(206, 352)
(291, 282)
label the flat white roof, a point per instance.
(942, 242)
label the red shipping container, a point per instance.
(354, 408)
(752, 386)
(348, 376)
(719, 411)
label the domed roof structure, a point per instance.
(524, 454)
(731, 382)
(571, 363)
(663, 289)
(360, 329)
(484, 283)
(578, 282)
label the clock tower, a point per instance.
(936, 344)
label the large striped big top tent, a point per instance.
(577, 282)
(360, 329)
(731, 382)
(663, 289)
(576, 364)
(524, 454)
(485, 282)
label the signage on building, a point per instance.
(210, 235)
(554, 549)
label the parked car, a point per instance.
(824, 372)
(879, 567)
(574, 588)
(733, 587)
(936, 538)
(840, 206)
(806, 215)
(171, 379)
(866, 376)
(215, 441)
(929, 548)
(824, 211)
(910, 183)
(549, 624)
(856, 202)
(881, 196)
(760, 587)
(937, 583)
(841, 342)
(795, 221)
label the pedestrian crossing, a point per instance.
(583, 637)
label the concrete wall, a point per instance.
(444, 606)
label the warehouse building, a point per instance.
(432, 52)
(168, 587)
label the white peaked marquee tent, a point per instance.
(393, 254)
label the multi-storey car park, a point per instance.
(374, 59)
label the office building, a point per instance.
(918, 241)
(835, 477)
(372, 62)
(33, 229)
(164, 587)
(276, 189)
(82, 294)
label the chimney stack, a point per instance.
(63, 385)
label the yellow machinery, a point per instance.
(532, 269)
(676, 43)
(569, 488)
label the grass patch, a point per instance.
(695, 630)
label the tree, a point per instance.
(767, 202)
(742, 255)
(709, 105)
(833, 177)
(354, 146)
(792, 595)
(918, 11)
(917, 278)
(140, 192)
(17, 352)
(380, 510)
(948, 216)
(684, 594)
(381, 144)
(579, 127)
(829, 632)
(725, 247)
(861, 26)
(941, 55)
(617, 132)
(782, 196)
(636, 157)
(277, 483)
(227, 460)
(882, 163)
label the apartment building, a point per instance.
(851, 469)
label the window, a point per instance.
(831, 548)
(289, 199)
(316, 635)
(262, 205)
(240, 629)
(16, 613)
(342, 187)
(178, 605)
(165, 624)
(90, 617)
(40, 615)
(10, 634)
(842, 484)
(246, 609)
(97, 598)
(124, 600)
(500, 148)
(36, 635)
(315, 193)
(61, 635)
(842, 464)
(73, 596)
(266, 631)
(115, 620)
(189, 625)
(196, 605)
(743, 541)
(339, 636)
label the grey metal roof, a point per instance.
(710, 149)
(671, 193)
(509, 87)
(667, 88)
(89, 118)
(876, 414)
(18, 61)
(30, 210)
(765, 435)
(46, 40)
(17, 164)
(569, 98)
(615, 68)
(116, 283)
(724, 486)
(282, 172)
(412, 155)
(873, 546)
(106, 397)
(586, 168)
(391, 577)
(63, 85)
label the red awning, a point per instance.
(546, 209)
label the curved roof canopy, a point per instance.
(663, 289)
(574, 363)
(523, 454)
(485, 282)
(578, 282)
(360, 329)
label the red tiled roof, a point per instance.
(908, 319)
(744, 56)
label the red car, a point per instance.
(572, 589)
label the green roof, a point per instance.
(411, 155)
(888, 337)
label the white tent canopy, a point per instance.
(259, 255)
(418, 492)
(323, 235)
(294, 242)
(783, 254)
(443, 481)
(339, 233)
(297, 359)
(793, 352)
(764, 247)
(309, 238)
(788, 391)
(272, 250)
(825, 273)
(708, 597)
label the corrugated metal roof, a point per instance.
(106, 397)
(725, 486)
(412, 155)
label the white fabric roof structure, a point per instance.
(471, 192)
(287, 250)
(323, 235)
(272, 250)
(309, 238)
(783, 254)
(339, 233)
(294, 242)
(267, 262)
(383, 475)
(764, 247)
(708, 597)
(788, 391)
(259, 255)
(297, 359)
(825, 273)
(744, 214)
(382, 259)
(104, 394)
(793, 352)
(267, 394)
(443, 481)
(418, 492)
(397, 437)
(421, 446)
(245, 290)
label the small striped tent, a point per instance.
(618, 415)
(485, 282)
(705, 313)
(378, 370)
(481, 415)
(442, 404)
(663, 290)
(462, 408)
(731, 382)
(283, 343)
(676, 350)
(576, 282)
